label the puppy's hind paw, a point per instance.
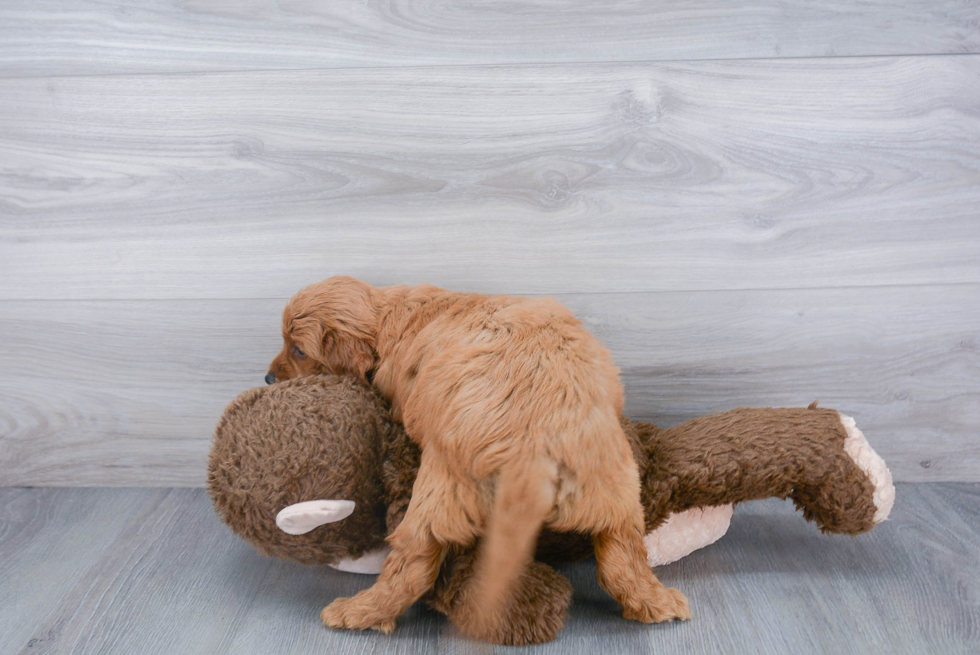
(682, 609)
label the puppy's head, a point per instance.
(328, 327)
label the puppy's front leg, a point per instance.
(409, 571)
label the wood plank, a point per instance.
(125, 393)
(49, 539)
(579, 178)
(802, 592)
(176, 580)
(129, 392)
(772, 585)
(91, 37)
(285, 618)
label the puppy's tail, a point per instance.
(524, 496)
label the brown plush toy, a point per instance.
(316, 471)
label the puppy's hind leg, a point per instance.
(623, 572)
(410, 569)
(621, 559)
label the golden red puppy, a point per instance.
(516, 408)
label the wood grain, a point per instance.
(49, 539)
(170, 582)
(123, 393)
(173, 579)
(91, 37)
(557, 179)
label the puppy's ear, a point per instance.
(334, 322)
(307, 333)
(347, 354)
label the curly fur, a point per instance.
(281, 445)
(333, 437)
(748, 454)
(516, 408)
(261, 461)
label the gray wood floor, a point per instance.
(154, 571)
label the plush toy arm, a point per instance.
(685, 532)
(539, 601)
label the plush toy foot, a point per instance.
(370, 563)
(539, 606)
(536, 611)
(858, 448)
(854, 491)
(668, 605)
(352, 614)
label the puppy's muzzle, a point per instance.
(270, 378)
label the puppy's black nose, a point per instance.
(270, 378)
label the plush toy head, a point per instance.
(317, 438)
(331, 439)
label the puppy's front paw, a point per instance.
(346, 613)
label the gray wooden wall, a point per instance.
(757, 203)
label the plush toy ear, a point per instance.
(303, 517)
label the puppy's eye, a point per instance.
(299, 353)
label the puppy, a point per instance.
(516, 408)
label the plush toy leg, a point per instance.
(685, 532)
(854, 494)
